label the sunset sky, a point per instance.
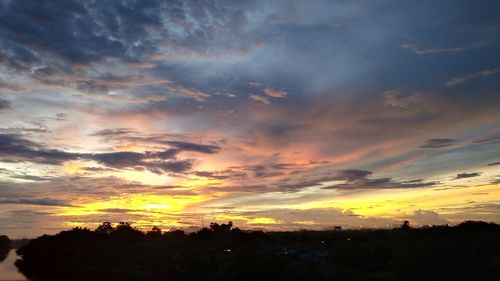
(277, 115)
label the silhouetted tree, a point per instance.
(154, 233)
(124, 231)
(405, 225)
(5, 246)
(469, 251)
(105, 228)
(222, 228)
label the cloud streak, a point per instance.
(465, 78)
(36, 201)
(14, 148)
(466, 175)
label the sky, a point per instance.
(276, 115)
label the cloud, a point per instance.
(351, 175)
(188, 92)
(189, 146)
(5, 104)
(395, 99)
(260, 99)
(411, 45)
(119, 159)
(466, 175)
(23, 175)
(13, 148)
(35, 201)
(426, 217)
(275, 93)
(358, 179)
(112, 132)
(61, 116)
(30, 177)
(256, 84)
(491, 139)
(140, 161)
(425, 51)
(464, 78)
(177, 146)
(23, 130)
(494, 164)
(437, 143)
(88, 31)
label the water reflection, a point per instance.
(8, 271)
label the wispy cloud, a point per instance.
(466, 175)
(259, 99)
(464, 78)
(424, 51)
(275, 93)
(394, 98)
(35, 201)
(438, 143)
(188, 92)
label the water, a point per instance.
(8, 271)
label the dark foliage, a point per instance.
(469, 251)
(4, 247)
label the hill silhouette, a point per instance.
(468, 251)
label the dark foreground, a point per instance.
(469, 251)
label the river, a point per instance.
(8, 271)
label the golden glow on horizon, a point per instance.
(263, 221)
(167, 211)
(150, 204)
(393, 202)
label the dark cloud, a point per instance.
(62, 116)
(14, 148)
(176, 166)
(35, 201)
(351, 175)
(23, 130)
(437, 143)
(491, 139)
(352, 180)
(79, 32)
(466, 175)
(45, 40)
(357, 179)
(141, 161)
(261, 171)
(112, 132)
(221, 175)
(494, 164)
(189, 146)
(31, 177)
(125, 134)
(4, 104)
(119, 159)
(97, 169)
